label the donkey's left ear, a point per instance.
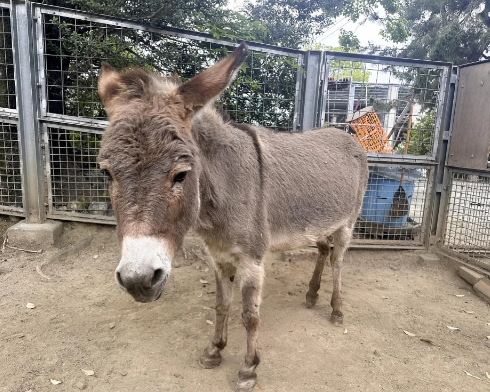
(207, 85)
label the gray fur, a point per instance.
(247, 189)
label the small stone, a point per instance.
(75, 205)
(427, 258)
(112, 325)
(98, 207)
(30, 305)
(82, 384)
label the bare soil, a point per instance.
(82, 320)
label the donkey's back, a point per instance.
(315, 182)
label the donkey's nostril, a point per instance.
(157, 277)
(118, 278)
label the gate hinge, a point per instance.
(454, 78)
(446, 135)
(439, 188)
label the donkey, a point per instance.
(174, 163)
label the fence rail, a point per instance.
(284, 89)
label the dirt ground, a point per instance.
(82, 320)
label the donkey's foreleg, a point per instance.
(224, 292)
(316, 279)
(341, 239)
(252, 278)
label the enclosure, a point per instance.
(423, 124)
(52, 118)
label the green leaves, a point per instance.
(395, 30)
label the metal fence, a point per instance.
(376, 99)
(466, 225)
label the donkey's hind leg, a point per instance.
(224, 291)
(341, 239)
(316, 279)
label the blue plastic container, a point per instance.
(382, 185)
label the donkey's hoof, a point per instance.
(246, 384)
(311, 299)
(337, 318)
(209, 362)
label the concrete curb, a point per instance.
(482, 288)
(472, 277)
(480, 283)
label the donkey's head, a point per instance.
(151, 158)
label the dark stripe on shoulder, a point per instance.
(252, 132)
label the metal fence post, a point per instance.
(441, 154)
(311, 90)
(27, 105)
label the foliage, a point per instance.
(351, 70)
(421, 135)
(455, 31)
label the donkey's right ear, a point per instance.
(109, 85)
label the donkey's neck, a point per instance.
(229, 159)
(211, 133)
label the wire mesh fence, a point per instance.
(264, 92)
(75, 184)
(7, 82)
(10, 173)
(395, 106)
(388, 108)
(394, 205)
(467, 224)
(10, 176)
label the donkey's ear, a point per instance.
(207, 85)
(109, 84)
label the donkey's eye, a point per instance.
(179, 177)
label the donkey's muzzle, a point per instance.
(143, 288)
(144, 268)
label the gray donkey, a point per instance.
(175, 163)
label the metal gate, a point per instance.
(464, 218)
(48, 169)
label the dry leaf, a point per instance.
(55, 382)
(30, 306)
(409, 333)
(488, 337)
(88, 372)
(206, 269)
(459, 295)
(200, 295)
(471, 375)
(345, 331)
(468, 311)
(203, 281)
(452, 328)
(206, 308)
(209, 322)
(96, 256)
(385, 297)
(488, 375)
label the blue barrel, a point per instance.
(382, 184)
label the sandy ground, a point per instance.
(82, 320)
